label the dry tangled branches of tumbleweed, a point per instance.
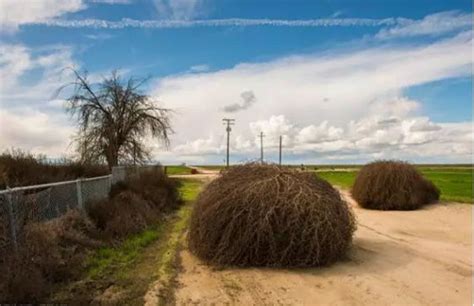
(264, 215)
(392, 185)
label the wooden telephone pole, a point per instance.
(279, 155)
(228, 122)
(261, 146)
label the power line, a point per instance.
(228, 122)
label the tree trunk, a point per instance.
(112, 158)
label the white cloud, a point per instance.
(201, 146)
(272, 129)
(112, 1)
(351, 102)
(180, 14)
(30, 119)
(99, 36)
(16, 64)
(230, 22)
(15, 13)
(435, 24)
(337, 105)
(248, 99)
(36, 132)
(320, 133)
(14, 61)
(343, 105)
(178, 9)
(423, 125)
(365, 138)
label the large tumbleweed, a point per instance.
(264, 215)
(392, 185)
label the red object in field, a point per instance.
(194, 171)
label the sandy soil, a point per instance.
(398, 258)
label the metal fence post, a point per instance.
(12, 220)
(56, 204)
(79, 194)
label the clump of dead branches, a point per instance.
(393, 185)
(264, 215)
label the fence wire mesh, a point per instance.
(21, 205)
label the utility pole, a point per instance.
(279, 156)
(228, 122)
(261, 146)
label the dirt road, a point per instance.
(398, 258)
(203, 174)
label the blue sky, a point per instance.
(343, 81)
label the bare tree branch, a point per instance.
(114, 119)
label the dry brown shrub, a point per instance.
(54, 251)
(48, 252)
(21, 282)
(154, 186)
(124, 214)
(392, 185)
(18, 168)
(58, 246)
(135, 204)
(263, 215)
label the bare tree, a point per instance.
(114, 119)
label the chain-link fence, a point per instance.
(21, 205)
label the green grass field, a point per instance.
(212, 167)
(173, 170)
(341, 179)
(455, 183)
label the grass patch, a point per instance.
(189, 189)
(213, 167)
(136, 263)
(343, 179)
(455, 183)
(166, 266)
(176, 170)
(121, 256)
(124, 254)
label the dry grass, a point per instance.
(18, 168)
(135, 204)
(54, 251)
(392, 185)
(263, 215)
(50, 252)
(155, 187)
(124, 214)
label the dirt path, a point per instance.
(205, 171)
(399, 258)
(203, 174)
